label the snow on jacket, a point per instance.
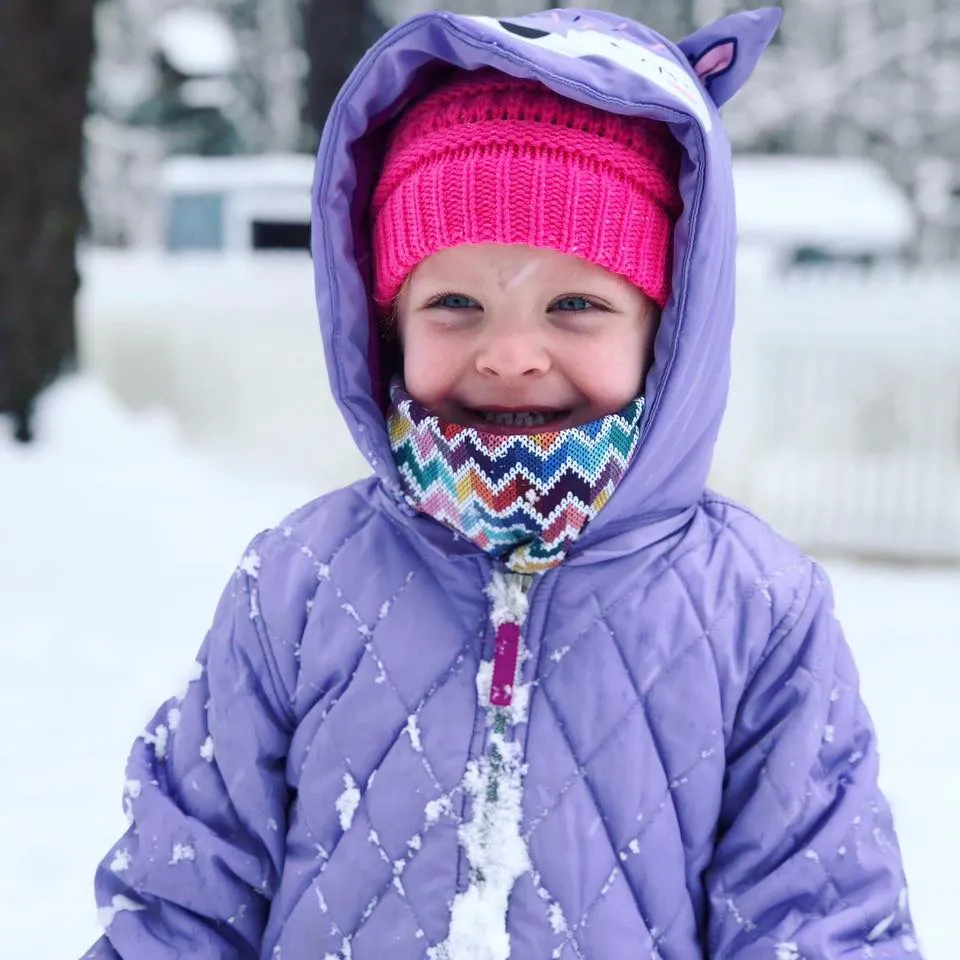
(688, 771)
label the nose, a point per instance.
(512, 354)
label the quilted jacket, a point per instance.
(687, 769)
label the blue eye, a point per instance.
(574, 304)
(454, 301)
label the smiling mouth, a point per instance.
(523, 419)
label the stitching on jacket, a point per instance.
(580, 772)
(704, 631)
(409, 856)
(672, 564)
(603, 611)
(787, 623)
(366, 632)
(597, 807)
(795, 845)
(656, 575)
(268, 651)
(394, 883)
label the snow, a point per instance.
(117, 540)
(181, 852)
(197, 42)
(845, 203)
(263, 171)
(496, 853)
(413, 731)
(492, 839)
(508, 600)
(105, 915)
(348, 801)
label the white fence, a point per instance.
(843, 428)
(844, 420)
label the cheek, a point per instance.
(431, 366)
(612, 372)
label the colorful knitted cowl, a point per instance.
(523, 497)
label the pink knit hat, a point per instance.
(488, 158)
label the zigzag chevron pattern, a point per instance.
(525, 496)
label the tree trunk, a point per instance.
(336, 34)
(46, 48)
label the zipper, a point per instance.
(493, 852)
(504, 679)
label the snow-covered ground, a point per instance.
(116, 543)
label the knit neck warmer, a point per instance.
(524, 498)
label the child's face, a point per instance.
(516, 338)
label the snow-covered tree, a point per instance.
(879, 78)
(209, 77)
(182, 65)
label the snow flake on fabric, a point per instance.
(413, 731)
(347, 802)
(182, 852)
(787, 951)
(346, 952)
(196, 673)
(250, 564)
(121, 861)
(605, 889)
(558, 923)
(881, 928)
(739, 918)
(206, 749)
(435, 809)
(106, 915)
(158, 740)
(508, 600)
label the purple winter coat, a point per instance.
(700, 774)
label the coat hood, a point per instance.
(608, 62)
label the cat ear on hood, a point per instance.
(724, 53)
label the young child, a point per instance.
(529, 691)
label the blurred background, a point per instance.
(163, 393)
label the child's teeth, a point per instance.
(522, 418)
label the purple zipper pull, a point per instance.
(506, 649)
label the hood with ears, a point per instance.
(611, 63)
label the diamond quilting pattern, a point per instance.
(686, 764)
(611, 774)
